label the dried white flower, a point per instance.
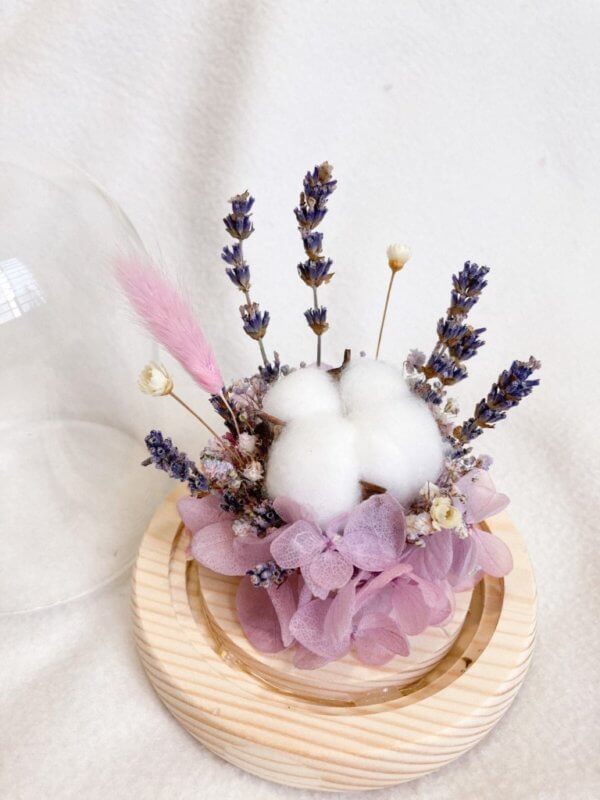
(398, 255)
(419, 523)
(430, 490)
(247, 443)
(444, 514)
(155, 380)
(253, 471)
(241, 528)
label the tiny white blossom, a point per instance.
(430, 490)
(253, 471)
(241, 528)
(419, 523)
(155, 380)
(247, 443)
(398, 255)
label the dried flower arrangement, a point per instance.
(351, 528)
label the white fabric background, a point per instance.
(469, 130)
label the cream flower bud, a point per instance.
(398, 255)
(155, 380)
(444, 514)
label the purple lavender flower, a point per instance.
(445, 368)
(457, 341)
(238, 271)
(468, 286)
(317, 319)
(239, 225)
(255, 323)
(315, 273)
(268, 574)
(512, 386)
(316, 270)
(467, 345)
(166, 457)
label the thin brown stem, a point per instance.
(229, 408)
(385, 308)
(193, 413)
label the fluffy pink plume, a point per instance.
(170, 320)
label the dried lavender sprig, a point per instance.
(239, 226)
(268, 574)
(457, 342)
(166, 457)
(317, 319)
(316, 270)
(511, 387)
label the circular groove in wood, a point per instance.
(294, 740)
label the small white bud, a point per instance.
(398, 255)
(155, 380)
(247, 443)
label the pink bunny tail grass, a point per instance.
(169, 319)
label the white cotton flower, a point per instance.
(253, 471)
(314, 462)
(398, 255)
(302, 393)
(155, 380)
(365, 383)
(247, 443)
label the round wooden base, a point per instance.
(343, 727)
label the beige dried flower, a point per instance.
(155, 380)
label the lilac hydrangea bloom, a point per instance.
(373, 620)
(371, 537)
(214, 543)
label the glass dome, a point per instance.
(74, 499)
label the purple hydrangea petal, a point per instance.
(378, 640)
(304, 659)
(374, 535)
(412, 613)
(492, 555)
(291, 511)
(197, 512)
(297, 544)
(250, 550)
(307, 627)
(433, 561)
(258, 618)
(330, 570)
(481, 498)
(213, 547)
(284, 599)
(463, 559)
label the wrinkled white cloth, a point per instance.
(466, 130)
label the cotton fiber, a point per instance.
(365, 383)
(399, 446)
(314, 462)
(301, 393)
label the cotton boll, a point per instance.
(314, 462)
(399, 446)
(366, 382)
(301, 393)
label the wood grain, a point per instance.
(340, 728)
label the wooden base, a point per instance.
(343, 727)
